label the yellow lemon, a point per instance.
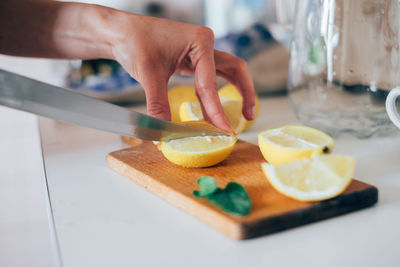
(291, 142)
(191, 111)
(198, 151)
(319, 178)
(229, 91)
(176, 96)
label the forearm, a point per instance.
(58, 29)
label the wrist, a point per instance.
(110, 28)
(101, 29)
(88, 31)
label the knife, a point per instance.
(61, 104)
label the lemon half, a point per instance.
(292, 142)
(178, 95)
(319, 178)
(198, 151)
(230, 92)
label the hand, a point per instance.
(152, 49)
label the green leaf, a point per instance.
(233, 199)
(207, 186)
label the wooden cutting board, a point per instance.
(271, 211)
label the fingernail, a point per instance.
(222, 123)
(228, 127)
(251, 112)
(225, 125)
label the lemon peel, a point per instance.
(198, 151)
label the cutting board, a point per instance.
(271, 211)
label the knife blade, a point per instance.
(62, 104)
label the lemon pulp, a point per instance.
(292, 142)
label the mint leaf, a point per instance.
(207, 186)
(232, 199)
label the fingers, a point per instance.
(156, 90)
(234, 70)
(206, 89)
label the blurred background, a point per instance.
(246, 28)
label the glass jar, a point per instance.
(344, 60)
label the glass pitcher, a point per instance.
(345, 59)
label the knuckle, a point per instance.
(205, 91)
(205, 34)
(201, 88)
(239, 67)
(158, 109)
(241, 63)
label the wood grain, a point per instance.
(271, 211)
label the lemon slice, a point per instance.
(230, 92)
(191, 111)
(198, 151)
(178, 95)
(291, 142)
(319, 178)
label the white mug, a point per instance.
(391, 106)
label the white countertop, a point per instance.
(25, 231)
(103, 219)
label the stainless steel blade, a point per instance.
(61, 104)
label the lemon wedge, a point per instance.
(191, 111)
(319, 178)
(178, 95)
(230, 92)
(198, 151)
(292, 142)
